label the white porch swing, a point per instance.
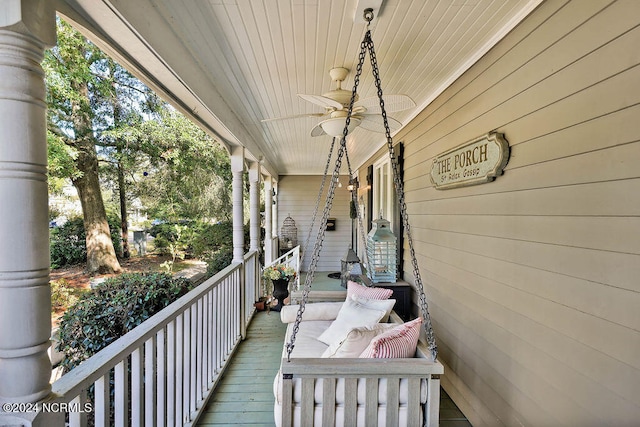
(353, 391)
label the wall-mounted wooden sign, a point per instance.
(475, 162)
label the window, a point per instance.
(383, 191)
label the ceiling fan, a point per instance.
(366, 113)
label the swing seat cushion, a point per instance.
(308, 346)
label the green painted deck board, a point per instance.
(245, 393)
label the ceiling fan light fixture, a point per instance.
(335, 126)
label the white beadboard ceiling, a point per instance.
(232, 63)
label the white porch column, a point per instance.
(274, 212)
(254, 206)
(268, 229)
(237, 168)
(27, 27)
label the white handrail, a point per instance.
(175, 358)
(291, 259)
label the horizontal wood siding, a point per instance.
(533, 280)
(297, 195)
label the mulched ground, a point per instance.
(78, 278)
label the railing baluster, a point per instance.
(218, 314)
(210, 334)
(121, 393)
(79, 418)
(179, 368)
(204, 374)
(149, 382)
(102, 401)
(200, 351)
(193, 364)
(137, 387)
(186, 359)
(161, 377)
(171, 374)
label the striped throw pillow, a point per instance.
(398, 342)
(357, 289)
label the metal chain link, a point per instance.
(327, 208)
(431, 342)
(355, 200)
(315, 210)
(367, 44)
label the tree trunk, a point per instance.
(101, 256)
(123, 213)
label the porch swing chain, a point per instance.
(354, 200)
(315, 210)
(428, 327)
(367, 44)
(327, 208)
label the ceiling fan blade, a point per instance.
(376, 124)
(297, 116)
(392, 103)
(322, 101)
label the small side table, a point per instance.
(402, 295)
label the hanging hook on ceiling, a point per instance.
(368, 15)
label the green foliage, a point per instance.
(112, 309)
(63, 295)
(210, 242)
(219, 260)
(215, 243)
(189, 176)
(68, 242)
(208, 239)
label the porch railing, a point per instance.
(292, 259)
(162, 372)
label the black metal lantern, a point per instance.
(350, 267)
(381, 251)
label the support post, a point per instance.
(254, 206)
(268, 229)
(237, 168)
(27, 27)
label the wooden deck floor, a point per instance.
(245, 394)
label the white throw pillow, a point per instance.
(377, 304)
(356, 341)
(351, 315)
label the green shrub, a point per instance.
(219, 260)
(63, 295)
(208, 239)
(68, 243)
(112, 309)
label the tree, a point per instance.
(107, 128)
(74, 94)
(190, 176)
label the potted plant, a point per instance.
(276, 283)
